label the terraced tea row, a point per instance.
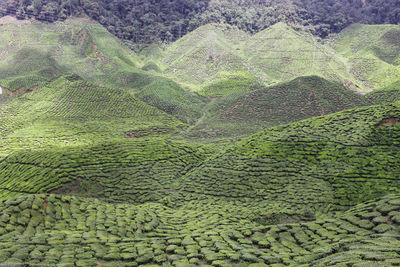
(243, 112)
(134, 171)
(71, 112)
(34, 53)
(324, 163)
(48, 230)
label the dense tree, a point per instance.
(144, 21)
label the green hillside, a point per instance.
(389, 94)
(35, 53)
(70, 111)
(219, 149)
(242, 113)
(324, 163)
(199, 56)
(373, 52)
(280, 53)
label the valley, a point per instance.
(222, 148)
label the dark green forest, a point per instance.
(146, 21)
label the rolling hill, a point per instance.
(105, 157)
(34, 53)
(323, 163)
(373, 52)
(199, 56)
(280, 53)
(271, 204)
(70, 111)
(239, 114)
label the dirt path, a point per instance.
(201, 119)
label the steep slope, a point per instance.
(244, 113)
(32, 48)
(34, 53)
(324, 163)
(70, 111)
(282, 54)
(373, 52)
(200, 55)
(389, 94)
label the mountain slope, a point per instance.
(71, 111)
(244, 113)
(373, 52)
(323, 163)
(34, 53)
(282, 54)
(200, 55)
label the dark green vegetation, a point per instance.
(389, 94)
(150, 20)
(239, 113)
(49, 230)
(105, 161)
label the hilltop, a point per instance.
(200, 55)
(35, 53)
(281, 54)
(70, 111)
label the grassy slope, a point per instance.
(244, 113)
(199, 56)
(35, 53)
(282, 54)
(323, 163)
(373, 52)
(69, 111)
(274, 55)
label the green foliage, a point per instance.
(387, 95)
(153, 21)
(244, 113)
(67, 230)
(230, 82)
(372, 51)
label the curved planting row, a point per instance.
(49, 230)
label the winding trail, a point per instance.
(201, 119)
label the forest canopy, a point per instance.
(147, 21)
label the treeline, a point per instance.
(144, 21)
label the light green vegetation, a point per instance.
(103, 160)
(274, 55)
(361, 57)
(280, 53)
(70, 111)
(34, 53)
(199, 56)
(373, 53)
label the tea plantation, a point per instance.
(220, 149)
(235, 112)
